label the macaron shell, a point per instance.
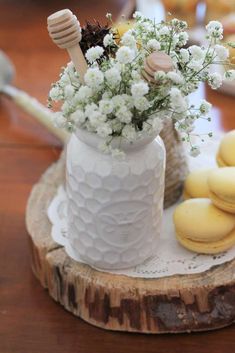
(195, 185)
(221, 182)
(221, 204)
(208, 248)
(220, 161)
(186, 195)
(199, 220)
(227, 149)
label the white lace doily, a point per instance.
(171, 258)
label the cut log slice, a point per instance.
(185, 303)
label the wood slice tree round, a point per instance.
(181, 303)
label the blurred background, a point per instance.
(24, 38)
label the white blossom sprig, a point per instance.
(116, 101)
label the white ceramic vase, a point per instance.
(114, 207)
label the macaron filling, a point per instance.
(210, 247)
(222, 204)
(220, 161)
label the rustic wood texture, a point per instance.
(173, 304)
(30, 321)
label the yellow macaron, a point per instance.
(226, 153)
(221, 184)
(195, 184)
(203, 228)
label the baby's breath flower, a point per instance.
(128, 101)
(96, 118)
(116, 126)
(59, 120)
(66, 108)
(124, 115)
(159, 75)
(94, 53)
(221, 52)
(184, 126)
(118, 101)
(129, 40)
(65, 79)
(196, 52)
(137, 15)
(94, 77)
(56, 93)
(195, 65)
(153, 45)
(69, 91)
(135, 75)
(183, 38)
(113, 76)
(83, 95)
(104, 130)
(139, 89)
(178, 24)
(205, 107)
(215, 30)
(78, 117)
(106, 106)
(195, 151)
(109, 16)
(141, 103)
(215, 80)
(178, 102)
(184, 55)
(175, 41)
(175, 77)
(229, 75)
(125, 55)
(108, 40)
(129, 133)
(90, 109)
(164, 31)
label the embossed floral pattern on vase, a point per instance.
(114, 207)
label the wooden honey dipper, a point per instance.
(65, 31)
(156, 61)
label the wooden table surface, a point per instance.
(30, 321)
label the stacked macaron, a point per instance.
(204, 228)
(226, 152)
(195, 185)
(205, 222)
(221, 184)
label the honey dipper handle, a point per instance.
(78, 60)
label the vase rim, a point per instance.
(118, 142)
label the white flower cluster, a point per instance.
(94, 54)
(215, 30)
(115, 100)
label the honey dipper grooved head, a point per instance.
(157, 61)
(64, 29)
